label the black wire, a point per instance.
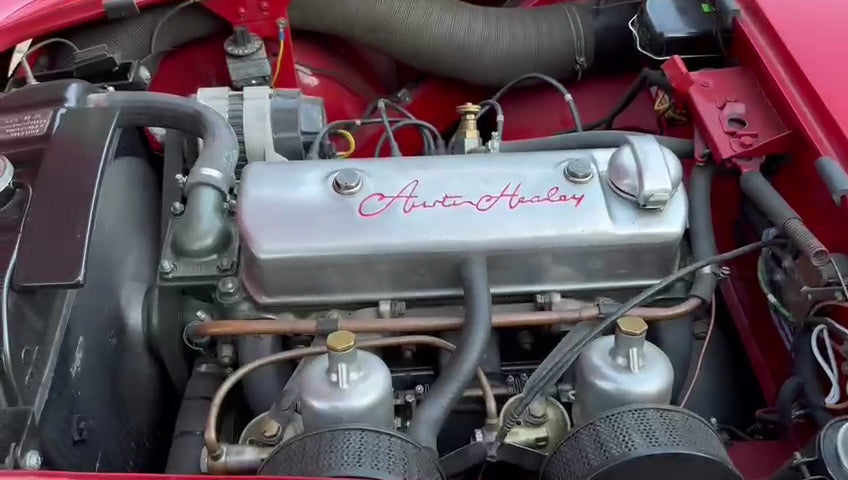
(432, 132)
(569, 100)
(499, 116)
(393, 145)
(566, 352)
(647, 77)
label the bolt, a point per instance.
(578, 170)
(166, 268)
(31, 460)
(226, 354)
(510, 380)
(419, 389)
(746, 141)
(225, 264)
(271, 429)
(282, 23)
(409, 398)
(177, 208)
(241, 12)
(180, 179)
(347, 181)
(228, 287)
(263, 6)
(201, 316)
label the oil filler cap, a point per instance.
(645, 172)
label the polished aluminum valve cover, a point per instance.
(341, 231)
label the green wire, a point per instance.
(761, 272)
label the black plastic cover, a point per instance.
(679, 27)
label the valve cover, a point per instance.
(342, 231)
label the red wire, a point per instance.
(701, 355)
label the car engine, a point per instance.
(227, 281)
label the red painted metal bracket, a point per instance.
(735, 120)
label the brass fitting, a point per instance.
(632, 326)
(341, 341)
(468, 122)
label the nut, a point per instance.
(271, 429)
(632, 326)
(468, 108)
(341, 341)
(347, 181)
(166, 267)
(225, 264)
(177, 208)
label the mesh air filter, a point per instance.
(640, 443)
(353, 452)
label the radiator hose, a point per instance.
(482, 45)
(460, 369)
(202, 231)
(187, 443)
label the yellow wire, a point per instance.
(279, 63)
(351, 143)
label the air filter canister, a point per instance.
(353, 452)
(641, 442)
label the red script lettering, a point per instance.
(510, 195)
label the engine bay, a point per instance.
(397, 240)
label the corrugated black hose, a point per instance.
(481, 45)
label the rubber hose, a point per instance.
(482, 45)
(202, 230)
(187, 443)
(262, 387)
(701, 233)
(786, 396)
(434, 409)
(681, 147)
(807, 371)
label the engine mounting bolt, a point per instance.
(177, 208)
(341, 341)
(578, 170)
(347, 181)
(31, 460)
(271, 429)
(419, 389)
(225, 264)
(632, 326)
(166, 267)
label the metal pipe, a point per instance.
(234, 328)
(210, 435)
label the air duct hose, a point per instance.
(482, 45)
(433, 411)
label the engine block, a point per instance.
(337, 231)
